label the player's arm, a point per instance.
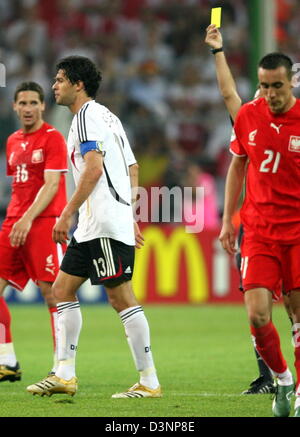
(43, 198)
(134, 181)
(225, 79)
(233, 188)
(88, 180)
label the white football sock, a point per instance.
(285, 378)
(7, 354)
(54, 317)
(138, 337)
(69, 327)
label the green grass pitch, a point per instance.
(203, 354)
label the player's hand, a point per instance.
(227, 238)
(139, 239)
(213, 37)
(19, 232)
(61, 229)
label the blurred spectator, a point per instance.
(28, 26)
(187, 129)
(149, 89)
(197, 177)
(153, 49)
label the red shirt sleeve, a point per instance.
(236, 147)
(9, 171)
(56, 152)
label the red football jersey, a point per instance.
(271, 209)
(28, 156)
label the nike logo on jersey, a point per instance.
(277, 128)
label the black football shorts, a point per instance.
(105, 261)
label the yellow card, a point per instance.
(216, 16)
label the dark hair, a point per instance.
(30, 86)
(79, 68)
(274, 60)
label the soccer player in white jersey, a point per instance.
(102, 247)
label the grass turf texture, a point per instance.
(204, 357)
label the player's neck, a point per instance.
(290, 103)
(36, 126)
(79, 102)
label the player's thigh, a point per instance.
(41, 255)
(112, 264)
(121, 296)
(261, 267)
(12, 268)
(65, 286)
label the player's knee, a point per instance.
(121, 303)
(258, 319)
(57, 292)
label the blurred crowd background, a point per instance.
(158, 77)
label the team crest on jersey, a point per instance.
(37, 156)
(252, 136)
(294, 144)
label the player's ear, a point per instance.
(80, 85)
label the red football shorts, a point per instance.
(38, 259)
(270, 265)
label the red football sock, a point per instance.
(297, 366)
(268, 346)
(5, 320)
(53, 318)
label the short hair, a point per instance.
(80, 68)
(274, 60)
(30, 86)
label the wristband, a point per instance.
(214, 51)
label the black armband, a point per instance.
(214, 51)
